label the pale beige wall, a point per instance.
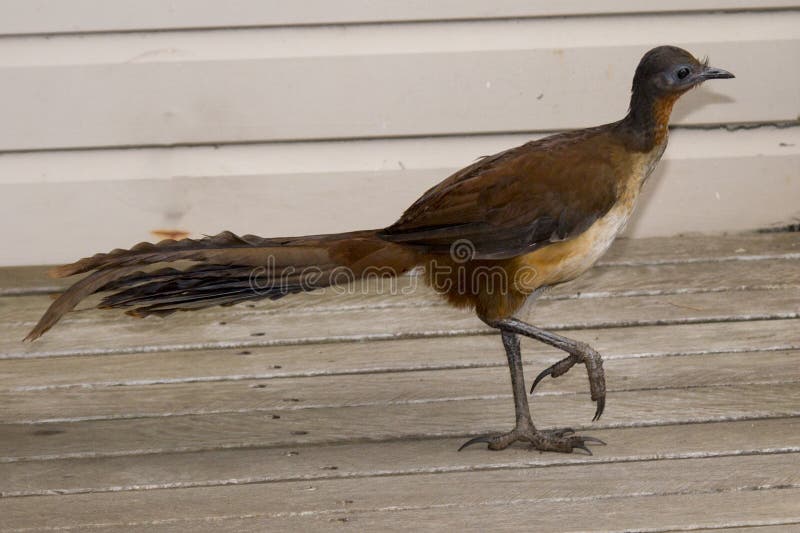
(283, 128)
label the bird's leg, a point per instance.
(524, 430)
(579, 352)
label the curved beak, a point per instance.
(713, 73)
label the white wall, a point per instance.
(124, 118)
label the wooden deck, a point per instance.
(345, 412)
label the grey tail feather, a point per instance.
(165, 291)
(223, 270)
(72, 296)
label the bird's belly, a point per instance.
(566, 260)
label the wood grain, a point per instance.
(720, 512)
(776, 528)
(505, 496)
(121, 425)
(292, 394)
(467, 416)
(668, 513)
(443, 353)
(408, 457)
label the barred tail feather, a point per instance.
(72, 296)
(220, 271)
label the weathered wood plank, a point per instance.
(786, 527)
(704, 439)
(264, 362)
(624, 252)
(699, 248)
(367, 459)
(115, 333)
(383, 500)
(390, 421)
(118, 461)
(72, 404)
(77, 16)
(28, 279)
(686, 277)
(638, 513)
(693, 504)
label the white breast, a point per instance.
(595, 241)
(598, 239)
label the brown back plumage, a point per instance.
(518, 200)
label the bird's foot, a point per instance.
(557, 440)
(594, 368)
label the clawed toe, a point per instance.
(595, 440)
(582, 441)
(557, 440)
(601, 405)
(594, 369)
(498, 442)
(476, 440)
(543, 374)
(582, 447)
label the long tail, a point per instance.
(222, 270)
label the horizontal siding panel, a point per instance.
(328, 157)
(393, 39)
(710, 181)
(414, 79)
(67, 16)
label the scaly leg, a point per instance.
(524, 430)
(579, 352)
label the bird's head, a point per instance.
(671, 71)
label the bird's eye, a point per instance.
(683, 72)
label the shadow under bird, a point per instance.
(539, 214)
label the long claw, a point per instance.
(476, 440)
(601, 405)
(584, 448)
(593, 439)
(543, 374)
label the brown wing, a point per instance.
(516, 201)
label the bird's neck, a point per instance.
(647, 121)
